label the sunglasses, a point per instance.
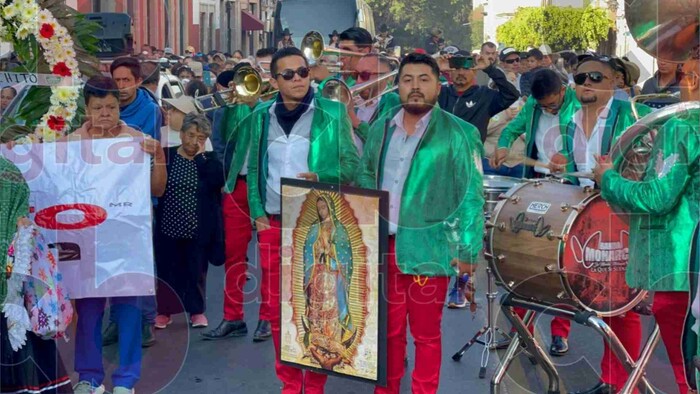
(288, 74)
(594, 76)
(366, 75)
(511, 61)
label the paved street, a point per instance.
(181, 363)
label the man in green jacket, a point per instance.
(429, 162)
(371, 67)
(596, 127)
(297, 135)
(664, 208)
(543, 120)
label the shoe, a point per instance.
(227, 329)
(163, 321)
(559, 347)
(263, 332)
(457, 299)
(148, 336)
(600, 388)
(110, 336)
(84, 387)
(122, 390)
(199, 321)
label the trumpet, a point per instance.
(248, 86)
(337, 90)
(314, 50)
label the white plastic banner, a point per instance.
(92, 199)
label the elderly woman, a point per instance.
(189, 230)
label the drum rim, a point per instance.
(571, 220)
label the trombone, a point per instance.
(314, 49)
(248, 87)
(337, 90)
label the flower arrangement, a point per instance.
(26, 18)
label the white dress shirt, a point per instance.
(586, 148)
(547, 139)
(397, 163)
(287, 156)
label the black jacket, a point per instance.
(479, 103)
(210, 221)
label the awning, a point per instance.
(250, 22)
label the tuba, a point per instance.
(668, 31)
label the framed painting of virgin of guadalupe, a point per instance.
(333, 317)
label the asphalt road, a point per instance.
(182, 363)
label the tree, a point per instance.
(411, 20)
(559, 27)
(477, 25)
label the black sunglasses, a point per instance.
(594, 76)
(511, 61)
(288, 74)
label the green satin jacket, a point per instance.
(389, 104)
(619, 119)
(527, 121)
(664, 208)
(332, 152)
(441, 215)
(236, 138)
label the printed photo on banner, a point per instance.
(92, 201)
(333, 315)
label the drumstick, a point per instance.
(530, 162)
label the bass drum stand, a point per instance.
(526, 340)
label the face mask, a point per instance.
(185, 81)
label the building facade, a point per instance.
(225, 25)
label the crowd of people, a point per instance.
(454, 112)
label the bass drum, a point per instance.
(562, 245)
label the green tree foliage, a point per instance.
(559, 27)
(410, 21)
(477, 26)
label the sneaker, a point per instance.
(148, 336)
(122, 390)
(559, 347)
(110, 336)
(163, 321)
(199, 321)
(457, 300)
(84, 387)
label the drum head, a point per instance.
(595, 261)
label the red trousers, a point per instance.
(558, 327)
(294, 380)
(670, 308)
(421, 300)
(238, 232)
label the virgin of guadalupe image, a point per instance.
(328, 266)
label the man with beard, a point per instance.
(371, 67)
(473, 103)
(598, 124)
(297, 135)
(489, 51)
(663, 208)
(428, 160)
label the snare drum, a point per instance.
(494, 186)
(557, 244)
